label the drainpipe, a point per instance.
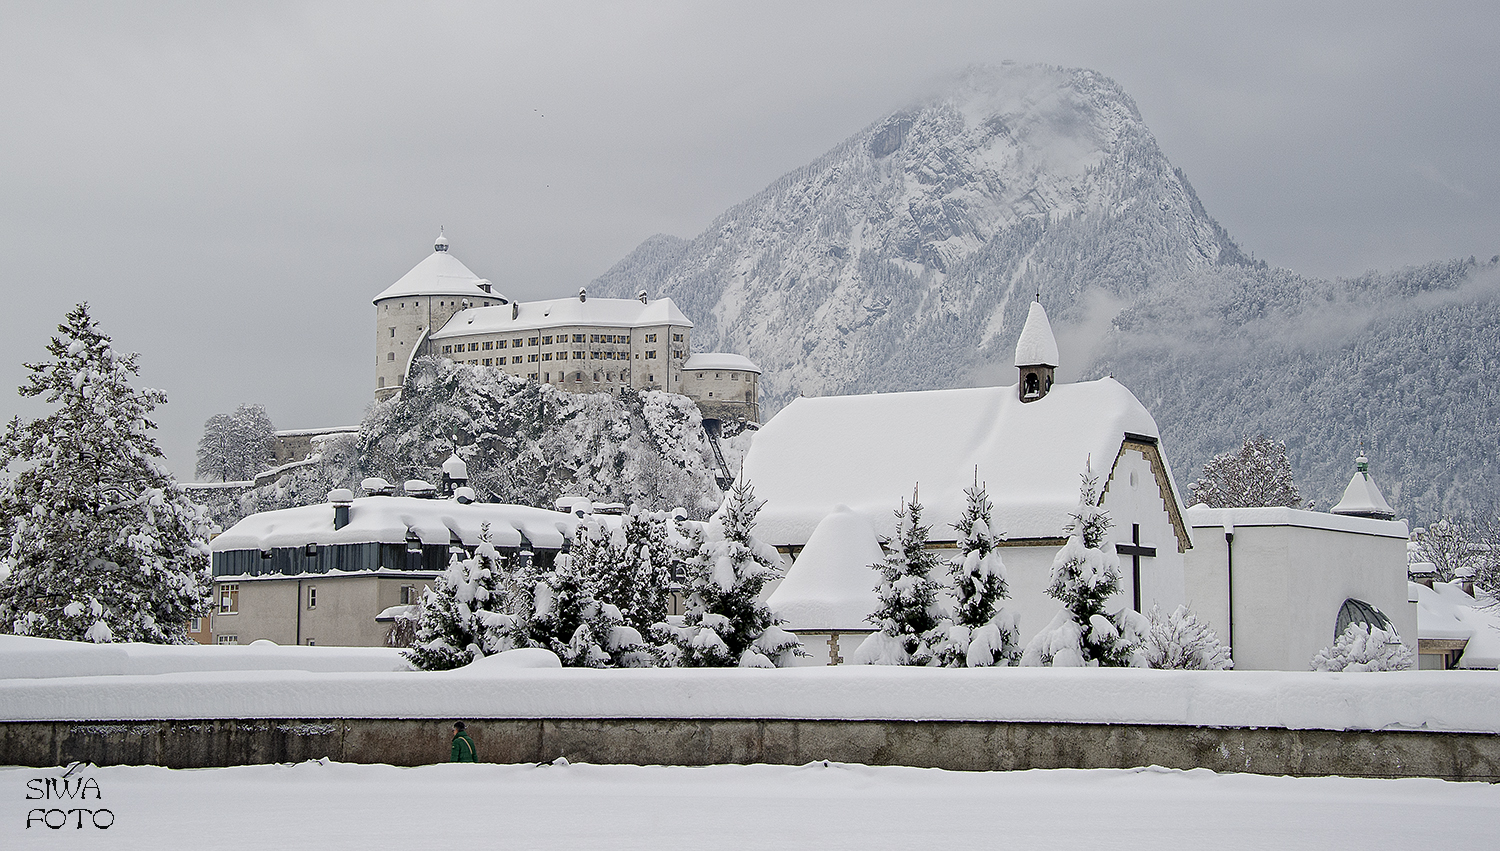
(299, 611)
(1229, 551)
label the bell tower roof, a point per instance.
(441, 274)
(1362, 498)
(1036, 346)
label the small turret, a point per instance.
(1036, 354)
(1362, 498)
(455, 474)
(441, 244)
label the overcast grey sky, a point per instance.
(230, 184)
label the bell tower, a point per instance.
(1036, 355)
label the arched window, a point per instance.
(1033, 387)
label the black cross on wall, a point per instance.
(1135, 551)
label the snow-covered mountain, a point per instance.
(905, 258)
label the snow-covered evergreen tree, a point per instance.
(983, 633)
(912, 625)
(726, 624)
(101, 542)
(568, 619)
(462, 616)
(1364, 648)
(645, 569)
(1085, 573)
(1258, 474)
(1181, 641)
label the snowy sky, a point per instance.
(230, 184)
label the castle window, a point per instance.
(546, 341)
(578, 356)
(489, 362)
(578, 376)
(515, 358)
(447, 350)
(382, 381)
(500, 345)
(710, 394)
(393, 332)
(718, 376)
(650, 338)
(700, 376)
(473, 347)
(596, 376)
(533, 358)
(390, 356)
(531, 342)
(676, 338)
(593, 338)
(516, 342)
(547, 356)
(531, 375)
(650, 377)
(488, 345)
(578, 338)
(734, 376)
(651, 355)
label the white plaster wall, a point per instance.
(1290, 578)
(1133, 497)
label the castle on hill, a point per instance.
(582, 344)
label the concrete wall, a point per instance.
(954, 745)
(1292, 571)
(735, 393)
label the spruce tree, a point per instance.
(570, 620)
(983, 633)
(726, 624)
(645, 570)
(1085, 573)
(912, 626)
(101, 542)
(462, 617)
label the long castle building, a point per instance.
(583, 345)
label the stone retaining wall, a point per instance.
(956, 745)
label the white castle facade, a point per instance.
(582, 344)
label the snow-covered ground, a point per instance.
(818, 806)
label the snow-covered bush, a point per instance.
(983, 633)
(1181, 641)
(1085, 573)
(1364, 648)
(100, 542)
(911, 623)
(726, 624)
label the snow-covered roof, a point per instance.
(831, 585)
(387, 519)
(439, 273)
(1036, 346)
(455, 468)
(1362, 498)
(720, 360)
(1201, 516)
(1444, 611)
(606, 312)
(868, 452)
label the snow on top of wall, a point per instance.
(26, 657)
(1363, 497)
(1419, 700)
(867, 452)
(606, 312)
(439, 273)
(1036, 344)
(328, 430)
(1445, 611)
(831, 585)
(720, 360)
(1201, 516)
(387, 519)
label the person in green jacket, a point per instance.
(463, 746)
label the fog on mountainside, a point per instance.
(905, 257)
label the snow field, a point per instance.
(817, 806)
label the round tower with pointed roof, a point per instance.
(1036, 354)
(421, 302)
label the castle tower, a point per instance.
(419, 303)
(1036, 355)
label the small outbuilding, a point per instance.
(828, 595)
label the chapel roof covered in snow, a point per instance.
(553, 313)
(388, 520)
(1362, 498)
(831, 585)
(868, 452)
(1036, 345)
(439, 273)
(720, 360)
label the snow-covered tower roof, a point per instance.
(1362, 498)
(1037, 346)
(831, 585)
(455, 468)
(439, 274)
